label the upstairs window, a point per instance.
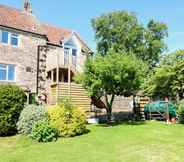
(9, 38)
(7, 72)
(66, 55)
(14, 39)
(5, 37)
(74, 57)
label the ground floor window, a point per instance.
(7, 72)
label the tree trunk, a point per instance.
(134, 109)
(109, 114)
(181, 95)
(109, 107)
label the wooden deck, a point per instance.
(78, 95)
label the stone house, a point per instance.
(39, 57)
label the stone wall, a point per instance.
(24, 57)
(42, 73)
(121, 109)
(32, 59)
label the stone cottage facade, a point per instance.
(36, 56)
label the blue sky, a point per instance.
(76, 15)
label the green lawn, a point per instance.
(149, 142)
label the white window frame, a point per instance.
(10, 35)
(66, 49)
(2, 37)
(75, 64)
(70, 56)
(7, 72)
(14, 35)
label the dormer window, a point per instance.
(9, 38)
(74, 57)
(70, 51)
(66, 56)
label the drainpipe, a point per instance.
(57, 79)
(38, 64)
(69, 74)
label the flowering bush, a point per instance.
(29, 116)
(69, 120)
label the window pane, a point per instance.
(66, 54)
(2, 66)
(14, 39)
(11, 72)
(2, 72)
(5, 37)
(74, 52)
(74, 57)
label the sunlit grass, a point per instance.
(143, 142)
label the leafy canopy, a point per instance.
(168, 78)
(114, 74)
(121, 31)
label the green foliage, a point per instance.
(158, 84)
(65, 102)
(29, 116)
(121, 31)
(69, 121)
(168, 78)
(33, 99)
(118, 74)
(12, 99)
(113, 74)
(181, 112)
(43, 132)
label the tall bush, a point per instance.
(69, 120)
(12, 100)
(181, 113)
(29, 116)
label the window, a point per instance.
(5, 36)
(66, 55)
(3, 72)
(14, 39)
(7, 72)
(9, 38)
(74, 57)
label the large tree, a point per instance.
(113, 74)
(168, 78)
(121, 31)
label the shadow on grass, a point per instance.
(113, 124)
(87, 131)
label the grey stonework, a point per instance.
(42, 53)
(33, 58)
(24, 57)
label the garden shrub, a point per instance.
(12, 100)
(42, 131)
(69, 120)
(30, 115)
(181, 112)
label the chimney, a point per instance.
(27, 6)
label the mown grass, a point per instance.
(143, 142)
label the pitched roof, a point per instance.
(14, 18)
(22, 20)
(56, 34)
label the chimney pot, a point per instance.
(27, 6)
